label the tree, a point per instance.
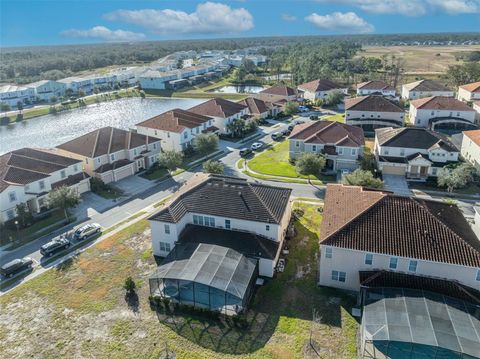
(455, 176)
(20, 106)
(180, 64)
(310, 164)
(249, 65)
(53, 99)
(334, 98)
(23, 214)
(4, 107)
(81, 93)
(237, 128)
(362, 178)
(205, 143)
(63, 198)
(129, 285)
(212, 166)
(463, 74)
(291, 108)
(171, 160)
(142, 94)
(239, 74)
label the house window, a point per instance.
(167, 229)
(62, 174)
(227, 224)
(340, 150)
(433, 113)
(12, 196)
(393, 263)
(434, 171)
(478, 275)
(75, 168)
(156, 133)
(339, 276)
(209, 221)
(354, 151)
(267, 227)
(134, 152)
(164, 247)
(328, 252)
(98, 160)
(297, 143)
(314, 148)
(86, 161)
(412, 266)
(369, 259)
(10, 214)
(402, 152)
(41, 184)
(385, 152)
(185, 134)
(112, 156)
(197, 130)
(154, 146)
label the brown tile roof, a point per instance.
(473, 87)
(371, 103)
(399, 226)
(280, 90)
(426, 85)
(474, 135)
(71, 180)
(104, 141)
(113, 166)
(375, 85)
(440, 103)
(175, 120)
(319, 85)
(329, 132)
(255, 105)
(227, 197)
(218, 107)
(28, 165)
(412, 137)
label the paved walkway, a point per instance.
(397, 184)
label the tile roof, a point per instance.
(473, 87)
(255, 105)
(227, 197)
(329, 132)
(426, 85)
(218, 107)
(175, 120)
(319, 85)
(413, 137)
(474, 135)
(398, 226)
(440, 103)
(28, 165)
(375, 85)
(71, 180)
(371, 103)
(280, 90)
(104, 141)
(113, 166)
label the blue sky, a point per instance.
(45, 22)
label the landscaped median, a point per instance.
(80, 309)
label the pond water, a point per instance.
(238, 89)
(52, 130)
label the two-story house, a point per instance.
(75, 84)
(277, 94)
(13, 94)
(373, 111)
(470, 149)
(223, 112)
(320, 89)
(27, 176)
(46, 89)
(366, 230)
(425, 88)
(176, 128)
(441, 112)
(469, 92)
(416, 153)
(112, 154)
(341, 144)
(157, 80)
(258, 108)
(375, 87)
(248, 217)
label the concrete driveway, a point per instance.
(133, 185)
(91, 205)
(397, 184)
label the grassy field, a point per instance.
(79, 309)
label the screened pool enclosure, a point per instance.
(206, 276)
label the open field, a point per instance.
(422, 60)
(79, 310)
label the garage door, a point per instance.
(83, 187)
(123, 172)
(393, 170)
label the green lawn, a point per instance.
(339, 117)
(80, 310)
(274, 162)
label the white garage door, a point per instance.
(83, 187)
(123, 172)
(393, 170)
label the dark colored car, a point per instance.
(16, 266)
(245, 152)
(54, 245)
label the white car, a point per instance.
(256, 146)
(87, 230)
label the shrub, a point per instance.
(129, 285)
(19, 117)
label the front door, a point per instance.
(423, 171)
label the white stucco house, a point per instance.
(112, 154)
(260, 109)
(425, 88)
(365, 230)
(176, 129)
(469, 92)
(375, 87)
(12, 94)
(27, 176)
(223, 112)
(441, 112)
(230, 212)
(76, 84)
(471, 148)
(277, 93)
(416, 153)
(320, 89)
(157, 80)
(341, 144)
(46, 89)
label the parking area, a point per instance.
(397, 184)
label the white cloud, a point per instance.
(208, 17)
(412, 7)
(104, 33)
(348, 22)
(286, 17)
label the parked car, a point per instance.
(54, 246)
(16, 266)
(87, 231)
(303, 109)
(276, 136)
(286, 132)
(298, 122)
(245, 152)
(256, 146)
(291, 126)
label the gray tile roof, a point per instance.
(412, 137)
